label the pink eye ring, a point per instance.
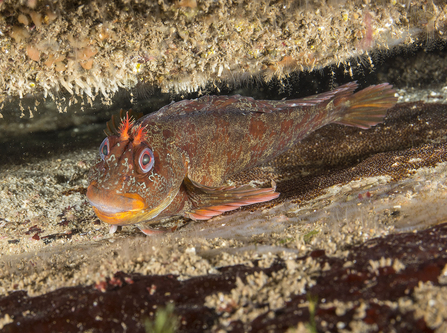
(146, 160)
(104, 148)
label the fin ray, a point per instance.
(212, 201)
(366, 107)
(114, 123)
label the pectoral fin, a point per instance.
(146, 228)
(208, 202)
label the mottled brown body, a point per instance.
(197, 144)
(221, 140)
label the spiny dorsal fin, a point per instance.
(113, 124)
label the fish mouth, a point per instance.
(115, 208)
(123, 209)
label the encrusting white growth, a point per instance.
(102, 46)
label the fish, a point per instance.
(175, 162)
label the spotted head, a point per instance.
(137, 178)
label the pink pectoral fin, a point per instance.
(215, 201)
(146, 229)
(151, 232)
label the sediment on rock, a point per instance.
(94, 48)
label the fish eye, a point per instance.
(104, 148)
(146, 160)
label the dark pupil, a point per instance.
(104, 150)
(146, 159)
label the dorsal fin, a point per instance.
(113, 124)
(213, 104)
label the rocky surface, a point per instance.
(355, 242)
(394, 283)
(91, 49)
(346, 196)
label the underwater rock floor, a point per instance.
(362, 291)
(355, 242)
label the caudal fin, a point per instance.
(366, 107)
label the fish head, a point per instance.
(134, 181)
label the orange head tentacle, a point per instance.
(139, 134)
(125, 126)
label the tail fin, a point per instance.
(366, 107)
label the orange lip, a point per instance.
(114, 208)
(123, 218)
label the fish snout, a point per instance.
(112, 207)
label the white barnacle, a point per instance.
(67, 85)
(102, 88)
(88, 91)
